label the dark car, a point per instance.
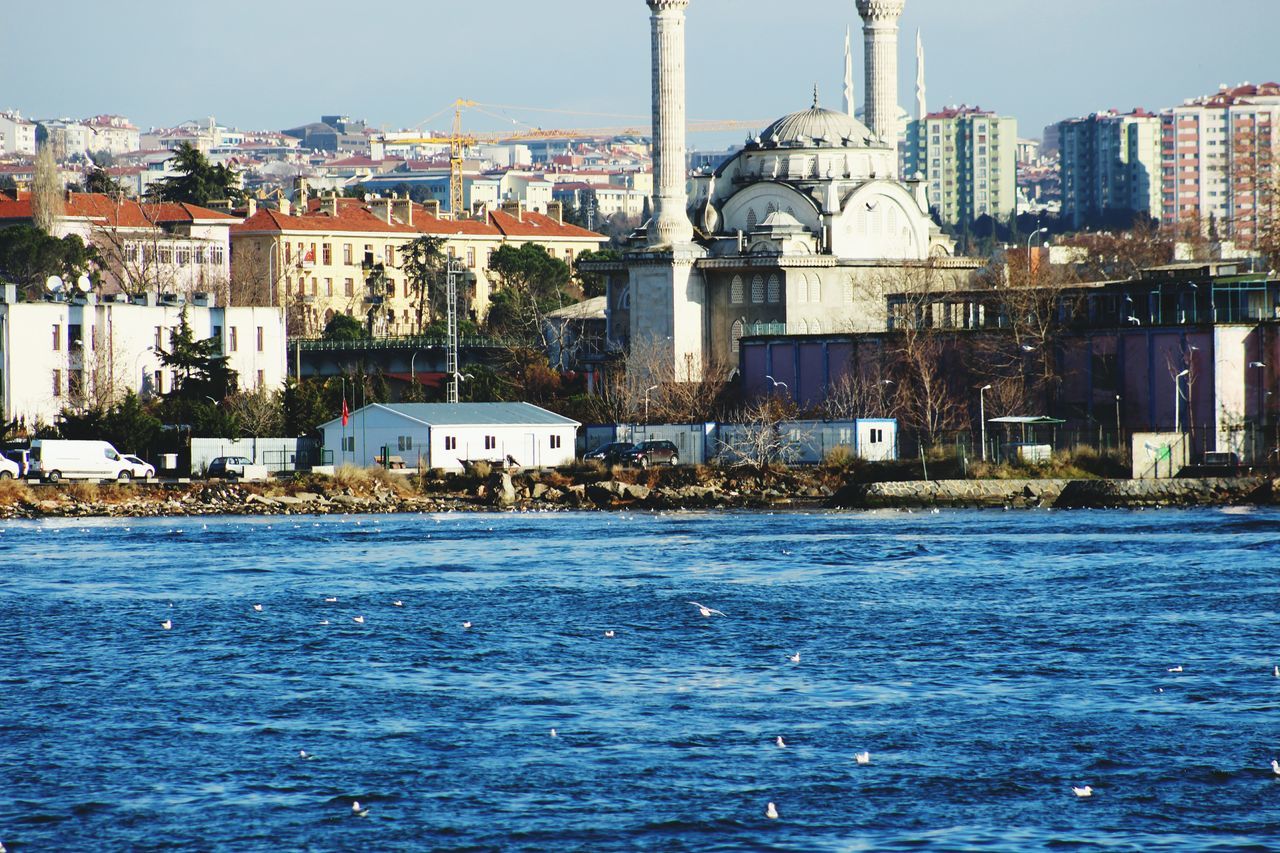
(227, 467)
(648, 453)
(611, 453)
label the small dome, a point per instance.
(803, 128)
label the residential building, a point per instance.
(68, 138)
(112, 134)
(443, 435)
(318, 260)
(168, 248)
(17, 134)
(967, 157)
(1111, 167)
(77, 350)
(1220, 153)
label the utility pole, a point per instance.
(451, 360)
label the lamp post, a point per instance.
(982, 416)
(413, 376)
(1031, 237)
(646, 402)
(1177, 400)
(1118, 425)
(1260, 365)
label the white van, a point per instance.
(57, 459)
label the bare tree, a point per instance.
(756, 436)
(47, 201)
(260, 412)
(139, 257)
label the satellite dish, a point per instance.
(84, 283)
(53, 284)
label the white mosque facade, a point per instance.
(797, 233)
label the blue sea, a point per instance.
(988, 662)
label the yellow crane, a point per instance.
(459, 142)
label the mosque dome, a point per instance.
(803, 128)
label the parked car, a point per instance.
(227, 467)
(648, 453)
(57, 459)
(611, 453)
(22, 458)
(141, 469)
(9, 469)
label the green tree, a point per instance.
(99, 180)
(343, 327)
(424, 263)
(593, 283)
(304, 406)
(28, 256)
(202, 369)
(531, 284)
(198, 181)
(127, 425)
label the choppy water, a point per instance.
(988, 661)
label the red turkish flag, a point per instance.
(346, 413)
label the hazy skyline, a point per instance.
(285, 62)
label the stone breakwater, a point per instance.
(551, 491)
(1066, 494)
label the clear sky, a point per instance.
(281, 63)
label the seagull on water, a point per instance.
(357, 811)
(1086, 791)
(795, 658)
(609, 634)
(466, 624)
(331, 600)
(257, 607)
(1275, 767)
(324, 621)
(304, 755)
(771, 811)
(167, 624)
(359, 620)
(781, 743)
(553, 733)
(1276, 672)
(1177, 668)
(397, 603)
(706, 611)
(862, 757)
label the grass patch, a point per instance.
(14, 492)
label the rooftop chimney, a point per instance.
(432, 207)
(555, 210)
(329, 204)
(514, 208)
(404, 209)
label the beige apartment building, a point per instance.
(315, 260)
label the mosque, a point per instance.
(794, 234)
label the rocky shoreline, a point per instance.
(379, 492)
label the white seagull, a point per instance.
(357, 811)
(397, 603)
(1275, 767)
(862, 757)
(553, 733)
(167, 624)
(466, 624)
(257, 607)
(359, 620)
(1086, 791)
(304, 755)
(331, 600)
(1177, 668)
(1276, 672)
(608, 634)
(795, 658)
(706, 611)
(781, 743)
(771, 811)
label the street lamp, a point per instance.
(1177, 401)
(982, 416)
(413, 378)
(1031, 237)
(646, 402)
(1118, 424)
(1260, 365)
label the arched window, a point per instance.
(735, 336)
(815, 327)
(775, 289)
(815, 288)
(799, 288)
(757, 290)
(772, 208)
(736, 291)
(752, 219)
(848, 290)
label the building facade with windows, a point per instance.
(967, 158)
(1219, 160)
(81, 352)
(345, 256)
(17, 134)
(1111, 167)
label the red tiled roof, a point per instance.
(537, 225)
(350, 218)
(125, 213)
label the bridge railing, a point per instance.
(413, 342)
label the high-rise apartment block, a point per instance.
(967, 157)
(1219, 157)
(1111, 168)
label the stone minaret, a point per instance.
(880, 28)
(670, 224)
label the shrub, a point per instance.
(13, 492)
(83, 492)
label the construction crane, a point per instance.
(459, 142)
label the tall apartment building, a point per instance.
(1111, 167)
(967, 157)
(17, 135)
(1219, 157)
